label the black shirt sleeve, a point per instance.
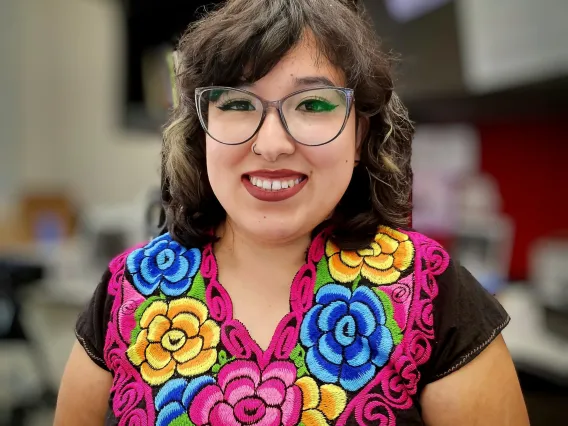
(467, 319)
(91, 325)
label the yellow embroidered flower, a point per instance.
(320, 405)
(175, 336)
(382, 262)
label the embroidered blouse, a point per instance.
(366, 332)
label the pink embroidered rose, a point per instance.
(244, 395)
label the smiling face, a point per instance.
(283, 190)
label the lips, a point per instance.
(274, 184)
(277, 185)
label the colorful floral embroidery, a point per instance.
(320, 405)
(175, 335)
(391, 391)
(173, 400)
(132, 400)
(346, 336)
(165, 264)
(244, 394)
(390, 254)
(345, 354)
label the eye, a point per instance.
(316, 105)
(237, 105)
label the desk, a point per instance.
(50, 306)
(532, 346)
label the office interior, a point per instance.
(85, 89)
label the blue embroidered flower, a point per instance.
(346, 336)
(163, 263)
(172, 401)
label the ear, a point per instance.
(361, 133)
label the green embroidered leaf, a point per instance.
(302, 371)
(391, 323)
(298, 356)
(134, 334)
(221, 361)
(356, 283)
(323, 276)
(138, 315)
(222, 358)
(197, 290)
(182, 420)
(298, 353)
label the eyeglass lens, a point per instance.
(312, 117)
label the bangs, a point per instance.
(254, 36)
(252, 55)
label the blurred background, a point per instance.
(84, 90)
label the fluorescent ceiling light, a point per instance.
(406, 10)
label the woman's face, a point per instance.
(260, 192)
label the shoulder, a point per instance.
(402, 284)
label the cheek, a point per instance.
(332, 167)
(338, 155)
(221, 154)
(216, 152)
(220, 160)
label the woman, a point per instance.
(288, 289)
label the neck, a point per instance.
(243, 249)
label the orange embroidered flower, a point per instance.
(320, 405)
(175, 336)
(382, 262)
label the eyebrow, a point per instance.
(313, 80)
(318, 80)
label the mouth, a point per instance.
(274, 186)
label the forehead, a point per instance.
(304, 65)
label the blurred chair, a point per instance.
(14, 276)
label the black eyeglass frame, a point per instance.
(349, 98)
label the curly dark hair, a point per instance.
(245, 39)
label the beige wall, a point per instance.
(507, 43)
(9, 104)
(68, 119)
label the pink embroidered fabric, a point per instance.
(132, 401)
(357, 346)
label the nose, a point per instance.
(272, 140)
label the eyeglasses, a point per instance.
(313, 117)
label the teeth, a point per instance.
(274, 185)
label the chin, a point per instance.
(271, 231)
(276, 229)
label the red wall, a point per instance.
(530, 162)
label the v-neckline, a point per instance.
(235, 334)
